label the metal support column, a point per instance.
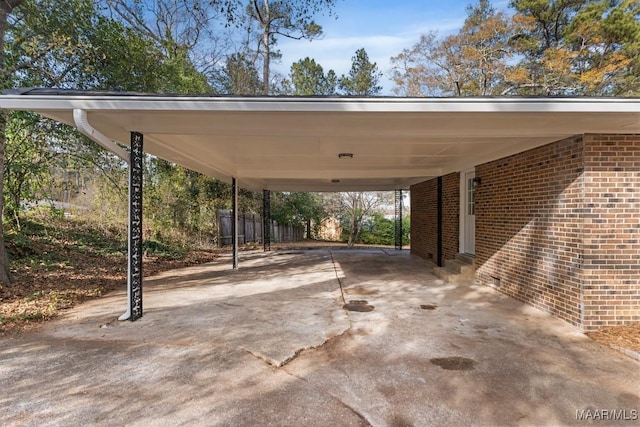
(266, 220)
(234, 221)
(398, 224)
(439, 223)
(134, 279)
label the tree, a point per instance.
(69, 44)
(378, 230)
(26, 161)
(363, 78)
(353, 208)
(604, 41)
(292, 19)
(239, 76)
(179, 32)
(577, 47)
(45, 39)
(308, 78)
(471, 62)
(298, 208)
(546, 67)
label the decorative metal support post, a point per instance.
(234, 220)
(398, 224)
(134, 284)
(439, 223)
(266, 220)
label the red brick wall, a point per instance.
(611, 230)
(424, 218)
(529, 227)
(450, 215)
(557, 227)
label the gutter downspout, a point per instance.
(82, 124)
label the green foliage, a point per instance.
(379, 230)
(297, 208)
(179, 199)
(25, 247)
(354, 208)
(46, 41)
(239, 76)
(363, 78)
(27, 163)
(308, 78)
(152, 247)
(577, 47)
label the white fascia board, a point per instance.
(42, 103)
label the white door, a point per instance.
(469, 216)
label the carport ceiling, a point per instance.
(293, 144)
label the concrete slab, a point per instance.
(270, 344)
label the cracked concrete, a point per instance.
(270, 344)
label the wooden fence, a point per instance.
(250, 229)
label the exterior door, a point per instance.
(469, 216)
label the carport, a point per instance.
(315, 144)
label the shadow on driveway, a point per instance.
(270, 344)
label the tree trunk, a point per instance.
(264, 18)
(267, 59)
(5, 265)
(352, 232)
(6, 7)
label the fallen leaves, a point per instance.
(61, 268)
(627, 336)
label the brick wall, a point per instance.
(529, 227)
(611, 230)
(450, 215)
(424, 218)
(557, 227)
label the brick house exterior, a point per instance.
(424, 218)
(557, 227)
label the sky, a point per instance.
(383, 27)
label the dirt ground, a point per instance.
(41, 293)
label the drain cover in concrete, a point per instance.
(358, 305)
(454, 363)
(428, 306)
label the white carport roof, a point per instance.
(293, 143)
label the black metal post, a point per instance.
(135, 226)
(266, 220)
(398, 224)
(234, 221)
(439, 220)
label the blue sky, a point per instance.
(382, 27)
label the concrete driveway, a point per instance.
(270, 344)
